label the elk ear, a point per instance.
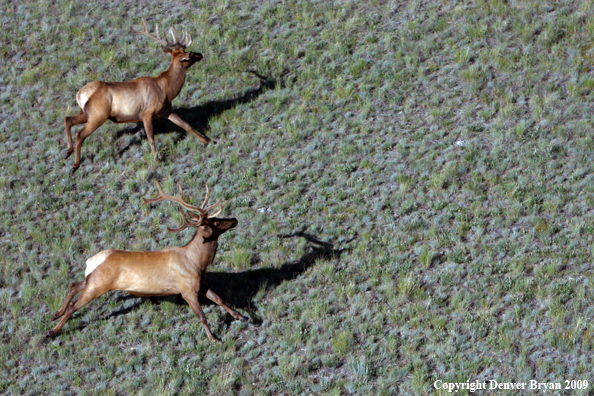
(196, 217)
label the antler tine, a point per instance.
(211, 207)
(205, 198)
(146, 33)
(173, 33)
(180, 190)
(215, 214)
(186, 39)
(184, 224)
(207, 209)
(157, 199)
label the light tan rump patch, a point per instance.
(96, 261)
(82, 98)
(85, 93)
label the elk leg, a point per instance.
(81, 135)
(88, 295)
(181, 123)
(219, 301)
(80, 118)
(192, 299)
(74, 289)
(148, 128)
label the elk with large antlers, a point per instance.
(143, 99)
(173, 270)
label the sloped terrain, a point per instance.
(412, 180)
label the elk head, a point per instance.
(199, 216)
(177, 48)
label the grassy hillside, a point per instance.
(412, 179)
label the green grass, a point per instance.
(444, 149)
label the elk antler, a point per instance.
(185, 41)
(186, 224)
(196, 219)
(188, 38)
(162, 196)
(220, 204)
(158, 39)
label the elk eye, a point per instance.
(216, 223)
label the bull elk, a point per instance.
(173, 270)
(143, 99)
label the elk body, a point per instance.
(173, 270)
(143, 99)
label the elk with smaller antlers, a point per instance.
(143, 99)
(173, 270)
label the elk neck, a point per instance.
(172, 80)
(202, 250)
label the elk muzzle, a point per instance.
(196, 56)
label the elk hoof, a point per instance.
(244, 319)
(50, 333)
(56, 315)
(74, 168)
(68, 152)
(215, 339)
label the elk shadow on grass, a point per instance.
(198, 116)
(238, 288)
